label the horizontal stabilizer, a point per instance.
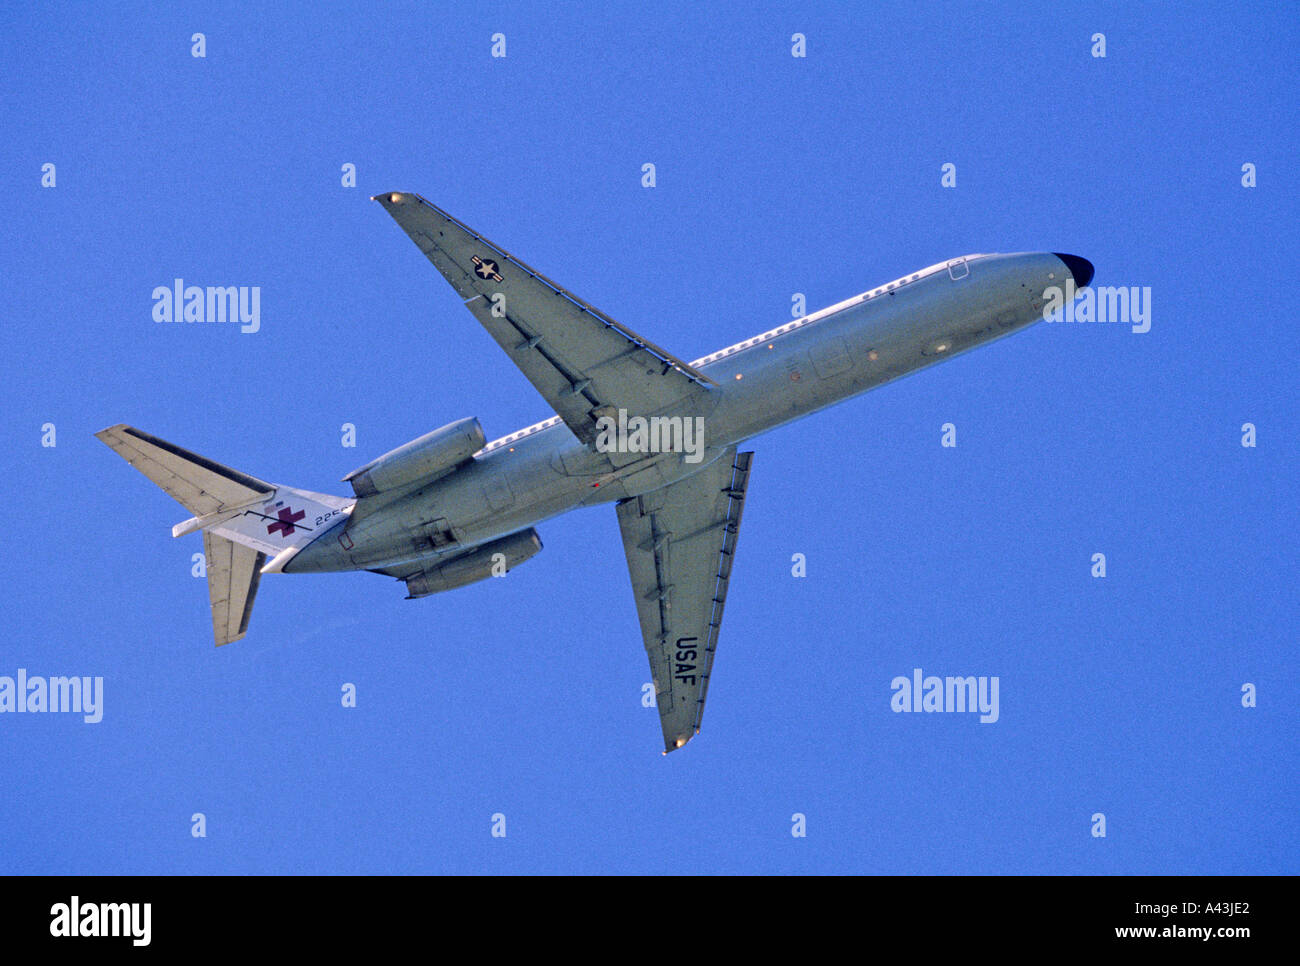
(195, 482)
(233, 573)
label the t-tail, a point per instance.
(250, 527)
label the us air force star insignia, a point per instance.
(486, 268)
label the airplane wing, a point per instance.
(680, 542)
(584, 363)
(233, 573)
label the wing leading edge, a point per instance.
(680, 542)
(583, 362)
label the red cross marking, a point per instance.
(286, 522)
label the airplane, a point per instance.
(450, 508)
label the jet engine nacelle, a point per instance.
(431, 456)
(476, 565)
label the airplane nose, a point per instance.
(1080, 268)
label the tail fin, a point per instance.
(244, 520)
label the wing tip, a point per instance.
(110, 430)
(677, 741)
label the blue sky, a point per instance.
(775, 175)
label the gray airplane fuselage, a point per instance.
(769, 380)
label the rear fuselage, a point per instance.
(788, 372)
